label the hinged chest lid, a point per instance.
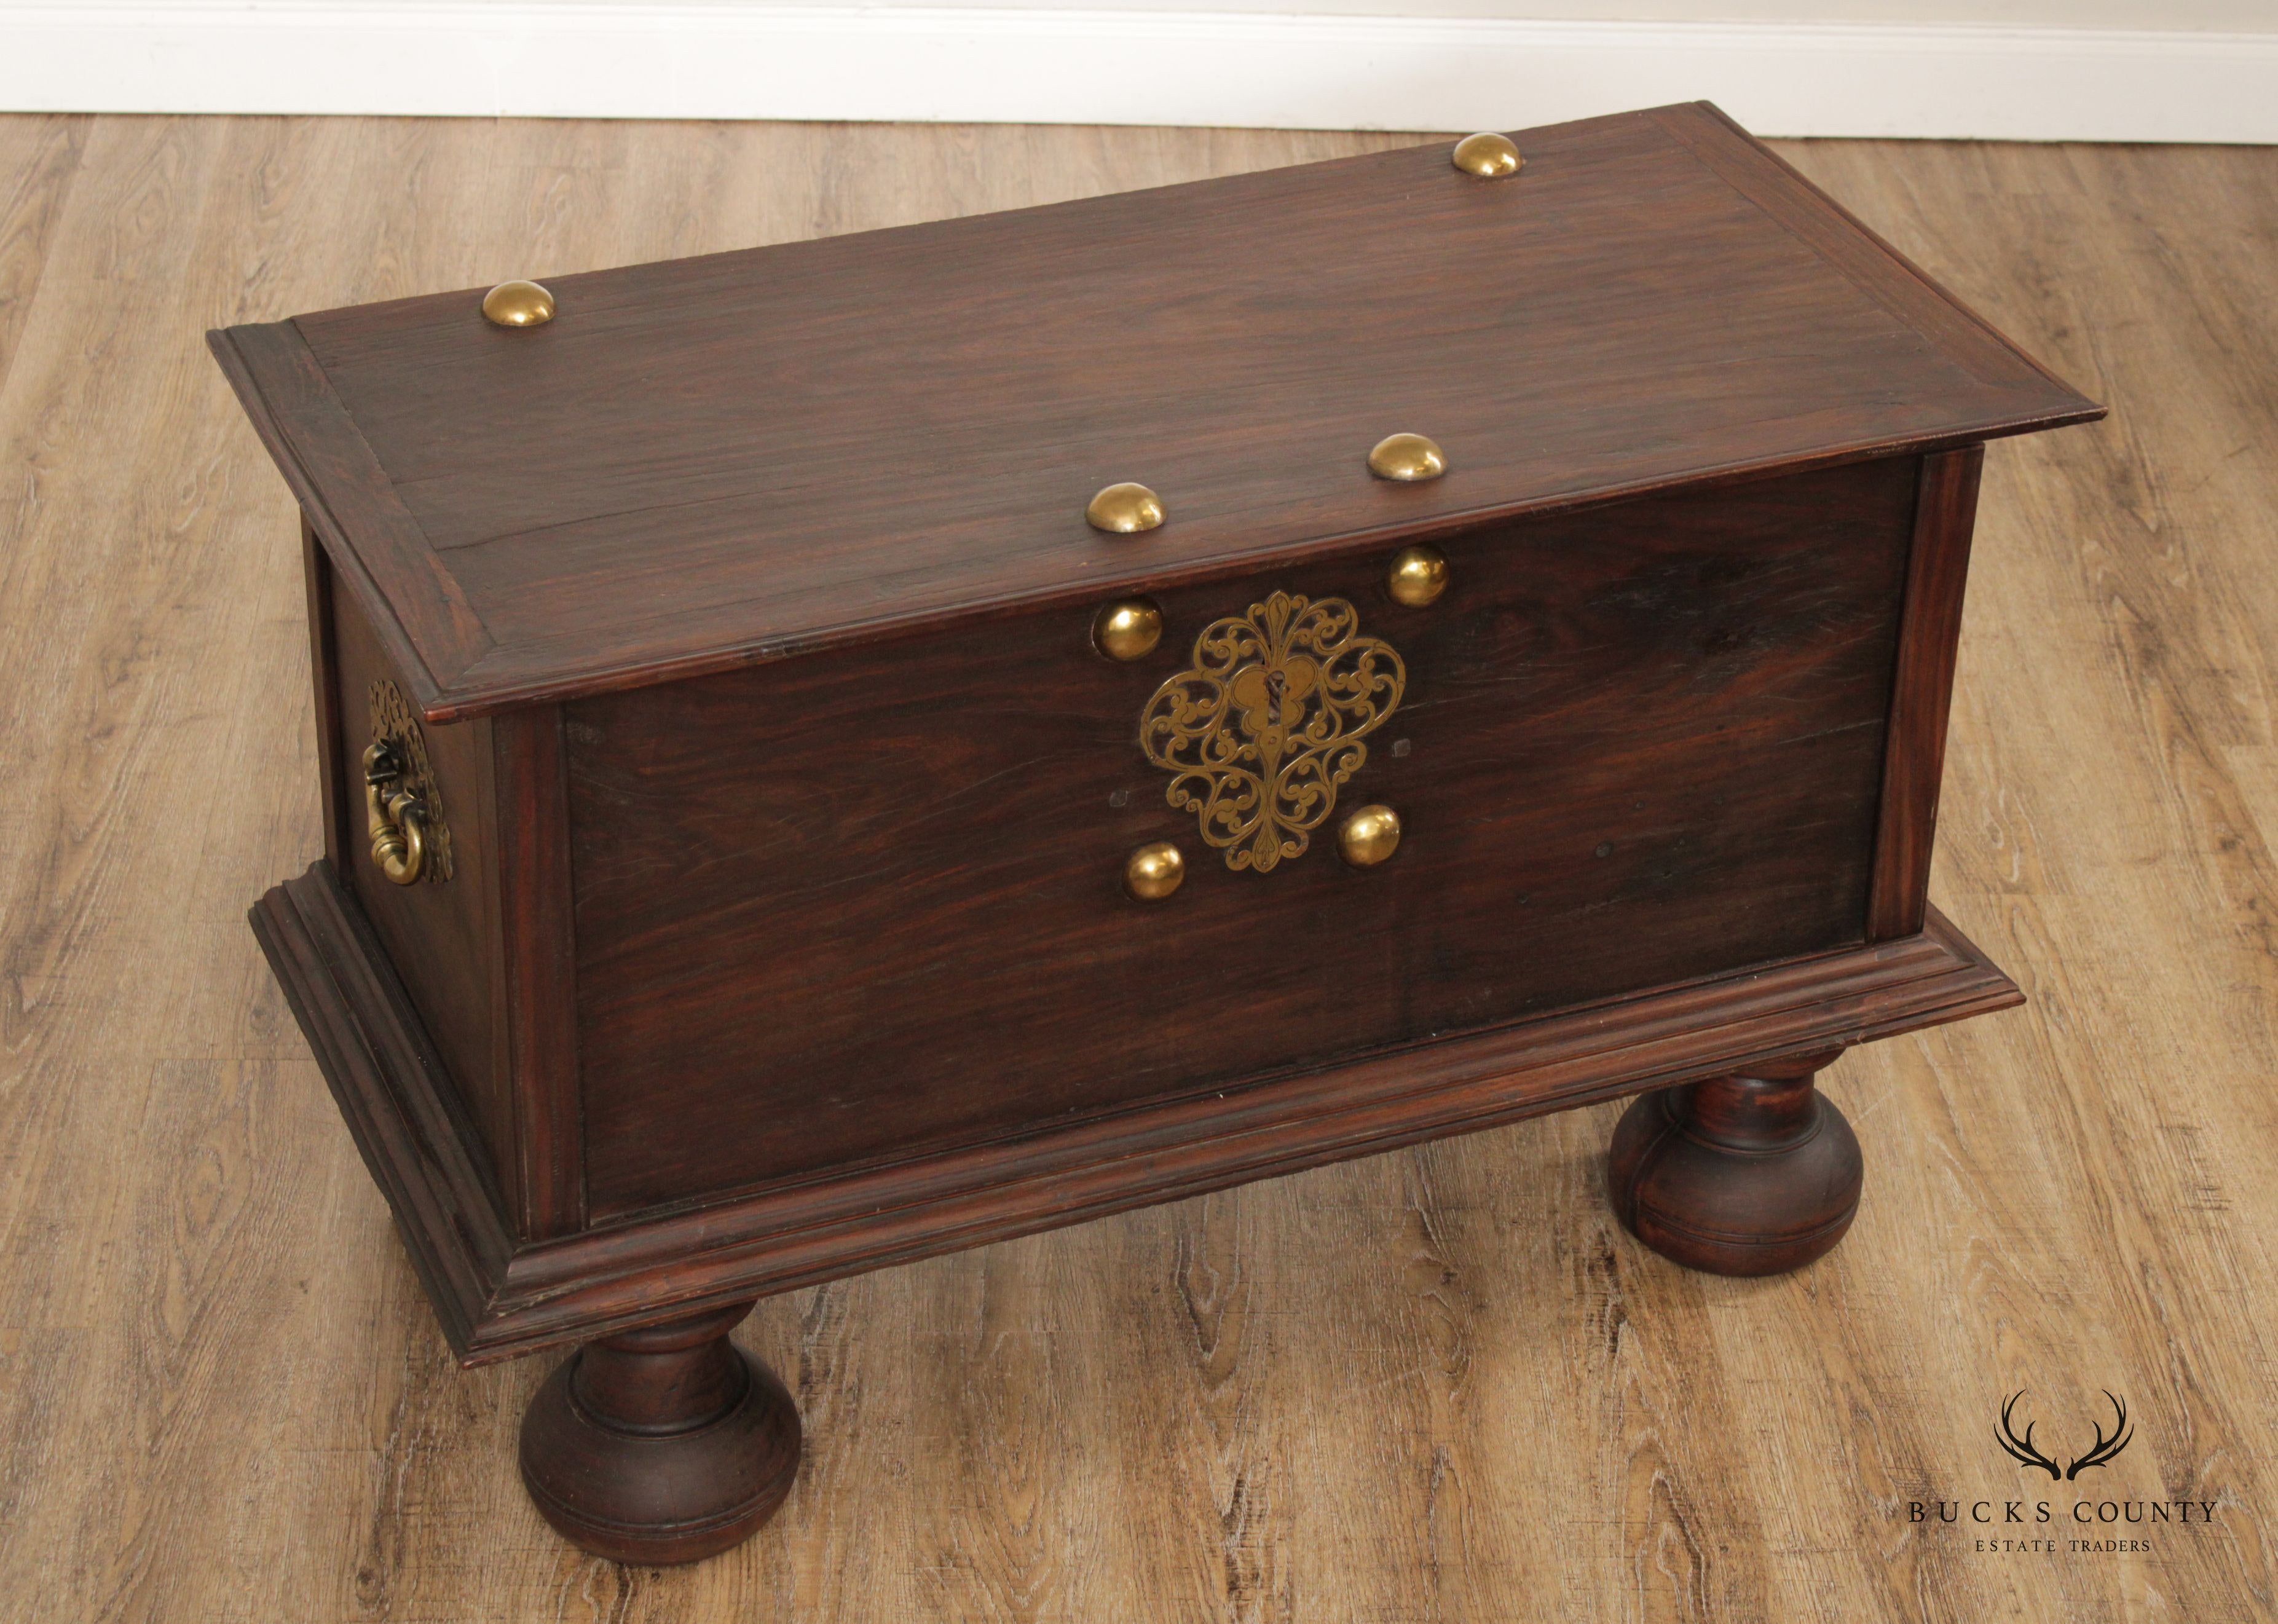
(717, 461)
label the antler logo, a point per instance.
(2022, 1450)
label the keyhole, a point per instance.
(1276, 685)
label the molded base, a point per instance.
(498, 1295)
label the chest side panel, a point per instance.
(870, 903)
(441, 936)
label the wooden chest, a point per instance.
(846, 751)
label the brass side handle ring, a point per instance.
(396, 817)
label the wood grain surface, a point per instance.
(868, 902)
(731, 458)
(1437, 1384)
(1921, 695)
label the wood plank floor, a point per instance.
(1435, 1385)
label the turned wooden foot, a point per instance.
(663, 1445)
(1750, 1175)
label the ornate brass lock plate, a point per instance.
(1268, 721)
(403, 803)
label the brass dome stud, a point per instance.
(1418, 575)
(1369, 836)
(517, 304)
(1154, 871)
(1127, 629)
(1125, 510)
(1487, 155)
(1407, 458)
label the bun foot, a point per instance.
(663, 1445)
(1745, 1175)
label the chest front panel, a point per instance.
(869, 904)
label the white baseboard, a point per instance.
(686, 59)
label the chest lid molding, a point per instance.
(740, 457)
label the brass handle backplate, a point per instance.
(403, 807)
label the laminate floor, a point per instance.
(1434, 1385)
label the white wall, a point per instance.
(2192, 16)
(2098, 70)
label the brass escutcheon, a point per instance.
(1266, 725)
(403, 808)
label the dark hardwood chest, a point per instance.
(846, 751)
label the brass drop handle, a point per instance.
(396, 816)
